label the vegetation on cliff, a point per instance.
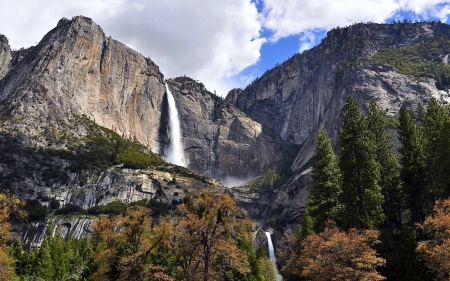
(427, 60)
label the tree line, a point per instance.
(377, 210)
(207, 238)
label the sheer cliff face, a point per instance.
(5, 56)
(309, 90)
(219, 139)
(295, 97)
(76, 70)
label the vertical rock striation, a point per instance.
(5, 56)
(219, 139)
(77, 70)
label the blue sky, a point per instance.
(224, 44)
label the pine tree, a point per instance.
(444, 159)
(389, 167)
(45, 267)
(361, 193)
(323, 201)
(435, 115)
(412, 173)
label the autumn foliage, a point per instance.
(10, 207)
(204, 237)
(339, 255)
(436, 250)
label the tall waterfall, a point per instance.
(174, 153)
(278, 277)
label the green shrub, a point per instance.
(36, 211)
(112, 208)
(70, 209)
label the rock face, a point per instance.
(219, 139)
(5, 56)
(309, 90)
(77, 70)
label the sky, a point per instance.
(224, 44)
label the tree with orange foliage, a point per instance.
(124, 244)
(10, 207)
(339, 255)
(204, 237)
(436, 250)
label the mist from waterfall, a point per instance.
(175, 151)
(272, 258)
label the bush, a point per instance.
(70, 209)
(54, 204)
(112, 208)
(36, 211)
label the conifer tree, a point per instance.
(323, 201)
(412, 159)
(361, 193)
(435, 115)
(389, 168)
(444, 159)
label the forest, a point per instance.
(380, 208)
(206, 238)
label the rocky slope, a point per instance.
(309, 90)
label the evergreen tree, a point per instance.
(389, 168)
(45, 266)
(412, 173)
(435, 116)
(361, 193)
(444, 159)
(323, 201)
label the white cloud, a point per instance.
(307, 41)
(204, 39)
(212, 41)
(292, 17)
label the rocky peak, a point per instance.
(5, 56)
(233, 95)
(97, 76)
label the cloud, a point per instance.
(212, 41)
(293, 17)
(206, 40)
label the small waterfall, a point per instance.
(272, 258)
(175, 153)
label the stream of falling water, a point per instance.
(174, 153)
(272, 258)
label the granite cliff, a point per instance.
(309, 90)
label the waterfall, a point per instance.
(278, 277)
(175, 153)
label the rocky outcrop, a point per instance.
(78, 227)
(77, 70)
(219, 139)
(5, 56)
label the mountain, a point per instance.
(84, 118)
(380, 62)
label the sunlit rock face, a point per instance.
(77, 70)
(220, 140)
(5, 56)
